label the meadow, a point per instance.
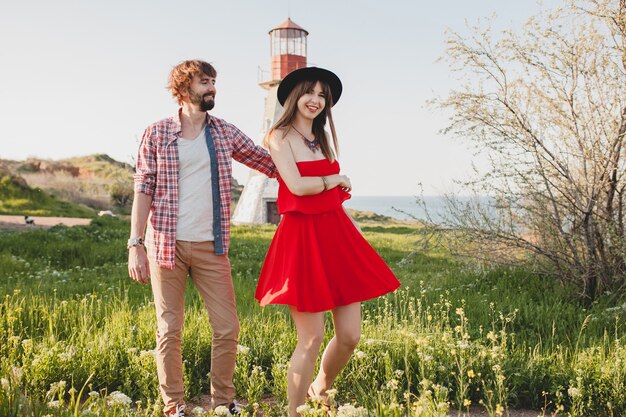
(77, 335)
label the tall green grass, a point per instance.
(77, 335)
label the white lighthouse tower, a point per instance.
(257, 203)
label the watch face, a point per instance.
(136, 241)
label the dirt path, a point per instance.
(41, 222)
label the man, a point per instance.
(182, 192)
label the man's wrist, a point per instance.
(134, 242)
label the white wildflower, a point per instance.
(392, 384)
(54, 404)
(348, 410)
(331, 393)
(462, 344)
(221, 411)
(303, 409)
(198, 411)
(5, 384)
(119, 399)
(359, 354)
(573, 392)
(244, 350)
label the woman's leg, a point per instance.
(347, 320)
(310, 328)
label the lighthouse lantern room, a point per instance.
(287, 48)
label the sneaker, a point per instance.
(234, 409)
(179, 412)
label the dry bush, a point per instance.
(547, 106)
(92, 192)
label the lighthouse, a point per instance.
(288, 52)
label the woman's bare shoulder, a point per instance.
(278, 136)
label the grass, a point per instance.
(76, 334)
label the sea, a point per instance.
(399, 207)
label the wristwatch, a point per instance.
(134, 241)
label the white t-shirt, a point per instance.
(195, 195)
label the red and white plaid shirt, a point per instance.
(156, 174)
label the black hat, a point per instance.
(309, 73)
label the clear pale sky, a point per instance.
(84, 77)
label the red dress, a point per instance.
(318, 260)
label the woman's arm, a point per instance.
(285, 163)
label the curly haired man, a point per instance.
(182, 194)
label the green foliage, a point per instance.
(77, 335)
(122, 193)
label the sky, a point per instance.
(79, 77)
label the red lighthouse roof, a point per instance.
(289, 24)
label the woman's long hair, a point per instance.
(291, 109)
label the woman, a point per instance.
(318, 260)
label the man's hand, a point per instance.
(138, 266)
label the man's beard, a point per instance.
(206, 102)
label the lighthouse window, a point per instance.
(288, 41)
(276, 43)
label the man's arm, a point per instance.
(145, 184)
(251, 155)
(138, 266)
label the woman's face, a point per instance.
(311, 104)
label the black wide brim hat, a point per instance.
(309, 74)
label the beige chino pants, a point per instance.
(211, 276)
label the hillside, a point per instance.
(18, 198)
(95, 181)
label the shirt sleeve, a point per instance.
(146, 167)
(251, 155)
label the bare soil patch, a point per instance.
(41, 222)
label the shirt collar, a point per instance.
(178, 127)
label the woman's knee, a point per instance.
(348, 340)
(311, 341)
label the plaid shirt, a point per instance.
(156, 174)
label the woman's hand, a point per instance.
(345, 183)
(341, 181)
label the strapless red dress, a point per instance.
(318, 259)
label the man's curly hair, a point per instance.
(182, 74)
